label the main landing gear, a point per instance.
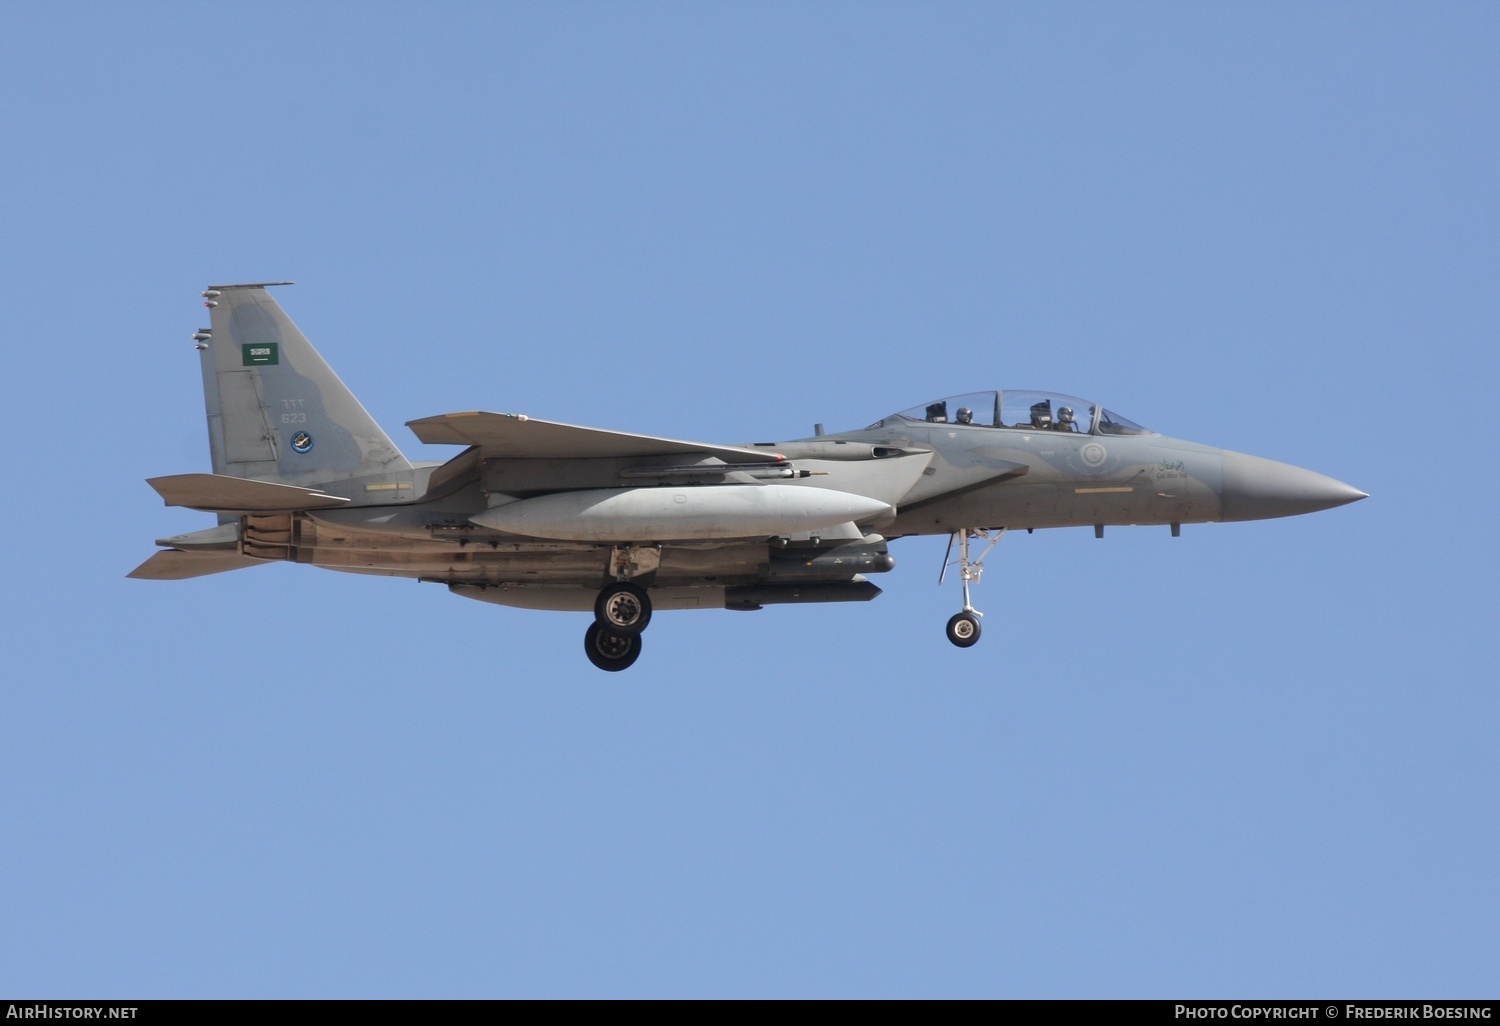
(963, 627)
(609, 650)
(621, 612)
(623, 607)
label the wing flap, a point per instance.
(219, 493)
(522, 437)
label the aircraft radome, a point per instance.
(544, 515)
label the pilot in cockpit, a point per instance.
(1065, 421)
(965, 415)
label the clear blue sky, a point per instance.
(1258, 760)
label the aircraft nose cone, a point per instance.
(1257, 489)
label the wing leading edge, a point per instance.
(521, 437)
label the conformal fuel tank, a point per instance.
(662, 514)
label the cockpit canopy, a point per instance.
(1032, 411)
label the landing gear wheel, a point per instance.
(608, 650)
(623, 608)
(963, 629)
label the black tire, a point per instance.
(963, 629)
(609, 650)
(623, 608)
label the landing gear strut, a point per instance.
(963, 628)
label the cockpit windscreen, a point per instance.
(1026, 410)
(1019, 410)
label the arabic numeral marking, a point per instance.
(294, 418)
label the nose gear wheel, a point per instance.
(963, 629)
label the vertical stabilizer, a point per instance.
(276, 410)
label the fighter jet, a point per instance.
(545, 515)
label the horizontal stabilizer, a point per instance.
(521, 437)
(176, 565)
(219, 493)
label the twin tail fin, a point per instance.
(276, 411)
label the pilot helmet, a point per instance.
(965, 415)
(1065, 415)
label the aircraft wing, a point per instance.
(520, 437)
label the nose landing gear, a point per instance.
(963, 627)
